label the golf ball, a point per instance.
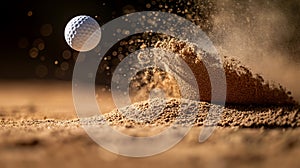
(82, 33)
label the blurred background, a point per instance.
(265, 35)
(32, 36)
(32, 32)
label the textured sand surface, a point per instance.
(40, 129)
(232, 116)
(60, 143)
(259, 127)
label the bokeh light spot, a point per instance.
(148, 5)
(46, 30)
(67, 54)
(128, 9)
(41, 46)
(64, 66)
(33, 52)
(29, 13)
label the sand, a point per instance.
(60, 145)
(232, 116)
(40, 129)
(242, 86)
(258, 127)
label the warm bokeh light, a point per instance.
(29, 13)
(64, 66)
(33, 52)
(46, 30)
(67, 54)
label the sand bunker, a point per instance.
(251, 102)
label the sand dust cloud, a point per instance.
(263, 36)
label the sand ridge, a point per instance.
(137, 115)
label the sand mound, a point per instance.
(243, 87)
(255, 117)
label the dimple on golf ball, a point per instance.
(82, 33)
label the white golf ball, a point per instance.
(82, 33)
